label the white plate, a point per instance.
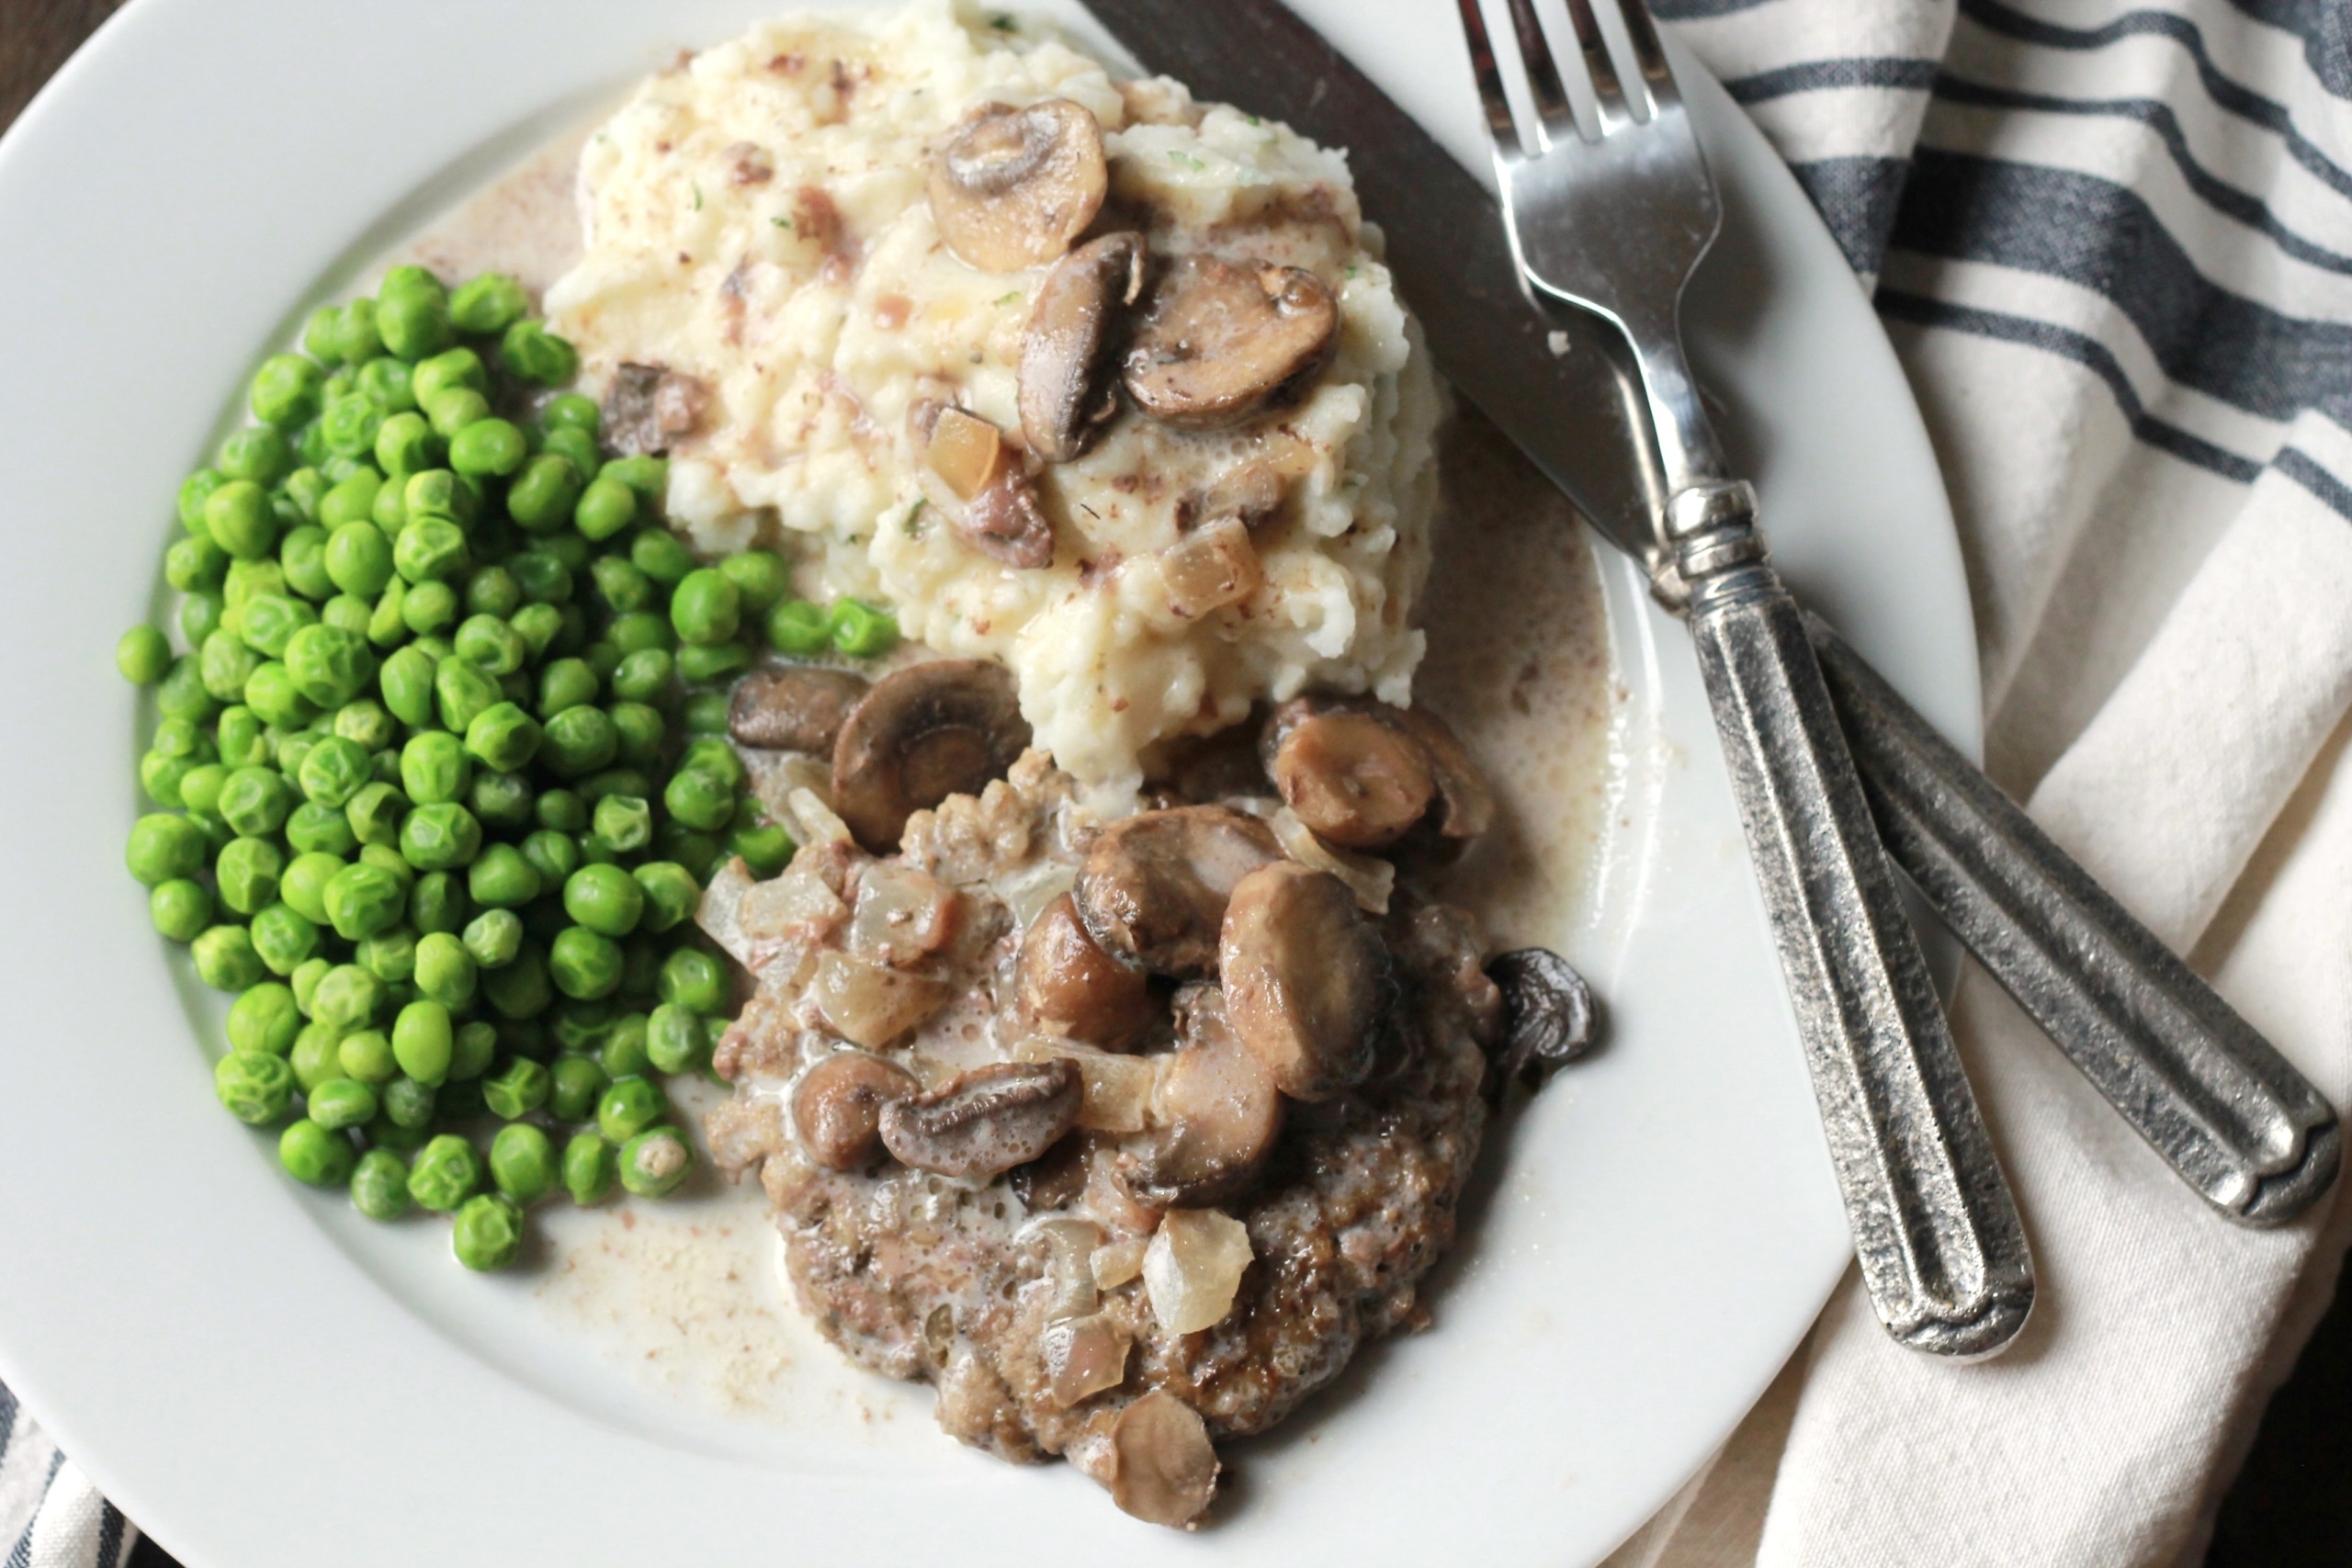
(256, 1377)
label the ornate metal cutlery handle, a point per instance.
(1942, 1251)
(2210, 1095)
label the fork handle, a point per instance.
(1936, 1231)
(2208, 1092)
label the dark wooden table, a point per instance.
(2291, 1505)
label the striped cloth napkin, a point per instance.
(2112, 243)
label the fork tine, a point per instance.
(1607, 96)
(1642, 33)
(1500, 128)
(1551, 109)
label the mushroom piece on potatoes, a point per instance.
(1222, 342)
(1013, 187)
(1063, 397)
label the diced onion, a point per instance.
(1369, 877)
(1083, 1356)
(1115, 1263)
(1192, 1267)
(1118, 1089)
(869, 1005)
(721, 911)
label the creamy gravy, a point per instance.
(689, 1296)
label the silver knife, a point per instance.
(2229, 1113)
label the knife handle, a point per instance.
(1936, 1232)
(2209, 1094)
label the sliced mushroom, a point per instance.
(985, 1121)
(1013, 187)
(1466, 808)
(650, 407)
(1071, 987)
(1163, 1467)
(1547, 1016)
(1007, 522)
(1221, 341)
(837, 1108)
(1153, 887)
(793, 708)
(1305, 976)
(1224, 1113)
(1358, 781)
(920, 735)
(1063, 398)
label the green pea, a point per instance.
(538, 626)
(487, 1235)
(517, 1089)
(628, 1108)
(861, 631)
(567, 684)
(590, 1168)
(657, 552)
(267, 624)
(143, 655)
(259, 454)
(490, 646)
(562, 811)
(275, 697)
(577, 447)
(761, 576)
(305, 982)
(458, 369)
(283, 939)
(487, 304)
(445, 1171)
(446, 972)
(374, 813)
(648, 476)
(254, 802)
(317, 1056)
(462, 693)
(504, 877)
(192, 565)
(502, 801)
(225, 959)
(347, 997)
(436, 905)
(578, 1026)
(285, 391)
(422, 1041)
(386, 858)
(435, 769)
(307, 489)
(585, 963)
(439, 493)
(697, 664)
(440, 837)
(388, 383)
(430, 549)
(705, 607)
(553, 854)
(264, 1019)
(673, 1039)
(623, 1055)
(407, 444)
(605, 507)
(241, 737)
(522, 1163)
(672, 894)
(578, 1083)
(531, 353)
(347, 614)
(356, 339)
(160, 776)
(255, 1086)
(194, 491)
(341, 1102)
(799, 628)
(625, 822)
(426, 608)
(542, 575)
(477, 1042)
(349, 425)
(225, 664)
(389, 955)
(353, 500)
(520, 989)
(489, 448)
(655, 1162)
(704, 713)
(604, 899)
(360, 900)
(247, 874)
(578, 741)
(453, 409)
(694, 979)
(696, 852)
(329, 665)
(334, 771)
(698, 799)
(765, 848)
(379, 1185)
(414, 322)
(200, 615)
(314, 1155)
(367, 1056)
(407, 682)
(643, 676)
(180, 908)
(237, 518)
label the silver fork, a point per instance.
(1613, 223)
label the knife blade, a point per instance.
(2231, 1117)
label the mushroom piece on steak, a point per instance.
(920, 735)
(794, 707)
(1222, 342)
(1071, 987)
(986, 1121)
(1062, 393)
(1305, 978)
(1547, 1016)
(649, 408)
(837, 1108)
(1223, 1113)
(1362, 773)
(1013, 187)
(1153, 887)
(1163, 1468)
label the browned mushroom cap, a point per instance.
(1466, 805)
(920, 735)
(1222, 341)
(1305, 976)
(1163, 1467)
(1073, 987)
(1547, 1016)
(1153, 887)
(837, 1108)
(985, 1121)
(1224, 1112)
(1063, 399)
(795, 707)
(1012, 187)
(1358, 781)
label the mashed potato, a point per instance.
(757, 218)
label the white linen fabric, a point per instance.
(51, 1516)
(2113, 245)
